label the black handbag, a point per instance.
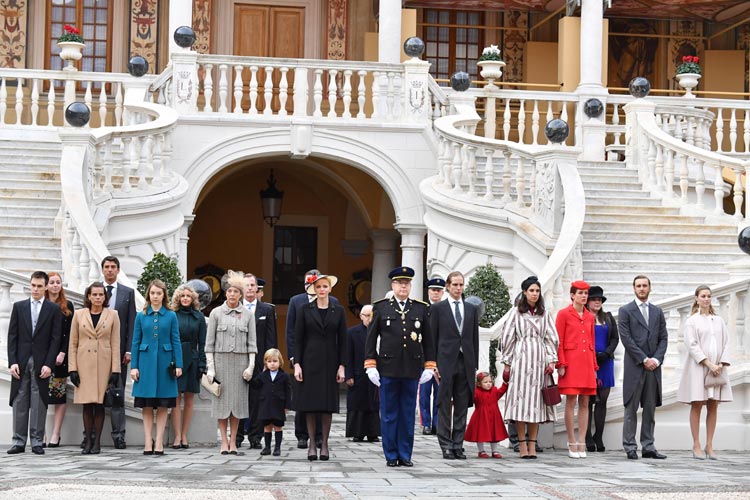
(114, 397)
(172, 369)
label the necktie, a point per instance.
(109, 291)
(251, 306)
(644, 311)
(402, 304)
(34, 314)
(458, 315)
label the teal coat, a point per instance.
(156, 343)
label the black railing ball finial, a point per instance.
(77, 114)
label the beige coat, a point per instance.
(705, 337)
(94, 353)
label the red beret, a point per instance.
(580, 285)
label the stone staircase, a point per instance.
(30, 195)
(626, 233)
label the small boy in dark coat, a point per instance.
(275, 398)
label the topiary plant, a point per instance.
(163, 268)
(488, 285)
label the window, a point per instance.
(453, 42)
(93, 18)
(295, 251)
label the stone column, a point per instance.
(592, 17)
(180, 14)
(389, 31)
(412, 254)
(383, 260)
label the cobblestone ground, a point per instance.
(357, 470)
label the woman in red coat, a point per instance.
(576, 366)
(486, 424)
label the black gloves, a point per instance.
(601, 358)
(75, 378)
(114, 379)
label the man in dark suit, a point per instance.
(455, 326)
(297, 301)
(265, 330)
(428, 413)
(406, 350)
(121, 299)
(643, 331)
(34, 334)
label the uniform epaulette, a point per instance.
(421, 302)
(381, 300)
(272, 305)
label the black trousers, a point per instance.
(451, 428)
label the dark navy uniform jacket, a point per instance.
(406, 343)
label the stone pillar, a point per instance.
(389, 31)
(592, 17)
(184, 238)
(180, 14)
(383, 260)
(412, 254)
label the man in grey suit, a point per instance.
(121, 299)
(34, 334)
(454, 324)
(643, 331)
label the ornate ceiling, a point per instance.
(722, 11)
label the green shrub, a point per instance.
(488, 285)
(163, 268)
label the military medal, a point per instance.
(403, 316)
(413, 336)
(388, 323)
(417, 324)
(420, 338)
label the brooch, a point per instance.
(417, 324)
(413, 336)
(388, 322)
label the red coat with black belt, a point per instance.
(576, 351)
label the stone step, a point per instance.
(655, 236)
(594, 215)
(31, 161)
(626, 265)
(30, 190)
(603, 165)
(685, 274)
(639, 200)
(630, 210)
(607, 173)
(34, 181)
(31, 203)
(19, 251)
(33, 209)
(27, 230)
(676, 226)
(36, 220)
(596, 186)
(645, 253)
(638, 243)
(615, 194)
(28, 264)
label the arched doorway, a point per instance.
(334, 217)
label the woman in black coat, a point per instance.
(362, 407)
(320, 357)
(58, 382)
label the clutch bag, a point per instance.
(212, 387)
(114, 397)
(712, 380)
(550, 392)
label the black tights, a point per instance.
(325, 424)
(597, 411)
(93, 422)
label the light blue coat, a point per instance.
(156, 343)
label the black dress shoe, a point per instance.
(37, 450)
(255, 445)
(434, 430)
(653, 454)
(426, 431)
(459, 454)
(357, 440)
(590, 447)
(373, 439)
(302, 443)
(16, 449)
(632, 455)
(120, 444)
(517, 448)
(405, 463)
(391, 463)
(266, 451)
(448, 455)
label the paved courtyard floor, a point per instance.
(357, 470)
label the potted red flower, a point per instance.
(71, 45)
(688, 74)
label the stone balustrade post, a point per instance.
(464, 105)
(184, 90)
(416, 96)
(5, 308)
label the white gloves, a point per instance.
(373, 375)
(210, 371)
(427, 375)
(248, 373)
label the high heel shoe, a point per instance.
(312, 457)
(54, 445)
(573, 454)
(530, 448)
(697, 456)
(151, 451)
(581, 454)
(709, 456)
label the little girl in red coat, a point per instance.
(486, 424)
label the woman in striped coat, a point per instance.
(529, 352)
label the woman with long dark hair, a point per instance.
(58, 382)
(529, 352)
(94, 360)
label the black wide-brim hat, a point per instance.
(596, 292)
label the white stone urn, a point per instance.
(491, 70)
(71, 52)
(688, 81)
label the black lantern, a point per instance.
(270, 200)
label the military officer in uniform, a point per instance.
(405, 358)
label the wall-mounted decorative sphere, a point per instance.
(460, 81)
(414, 47)
(205, 296)
(556, 131)
(77, 114)
(743, 240)
(138, 66)
(476, 301)
(184, 36)
(639, 87)
(593, 108)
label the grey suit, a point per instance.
(641, 387)
(125, 307)
(457, 360)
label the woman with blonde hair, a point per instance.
(192, 326)
(94, 360)
(156, 364)
(58, 382)
(230, 358)
(704, 379)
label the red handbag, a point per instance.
(550, 392)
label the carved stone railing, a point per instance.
(103, 167)
(664, 161)
(37, 98)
